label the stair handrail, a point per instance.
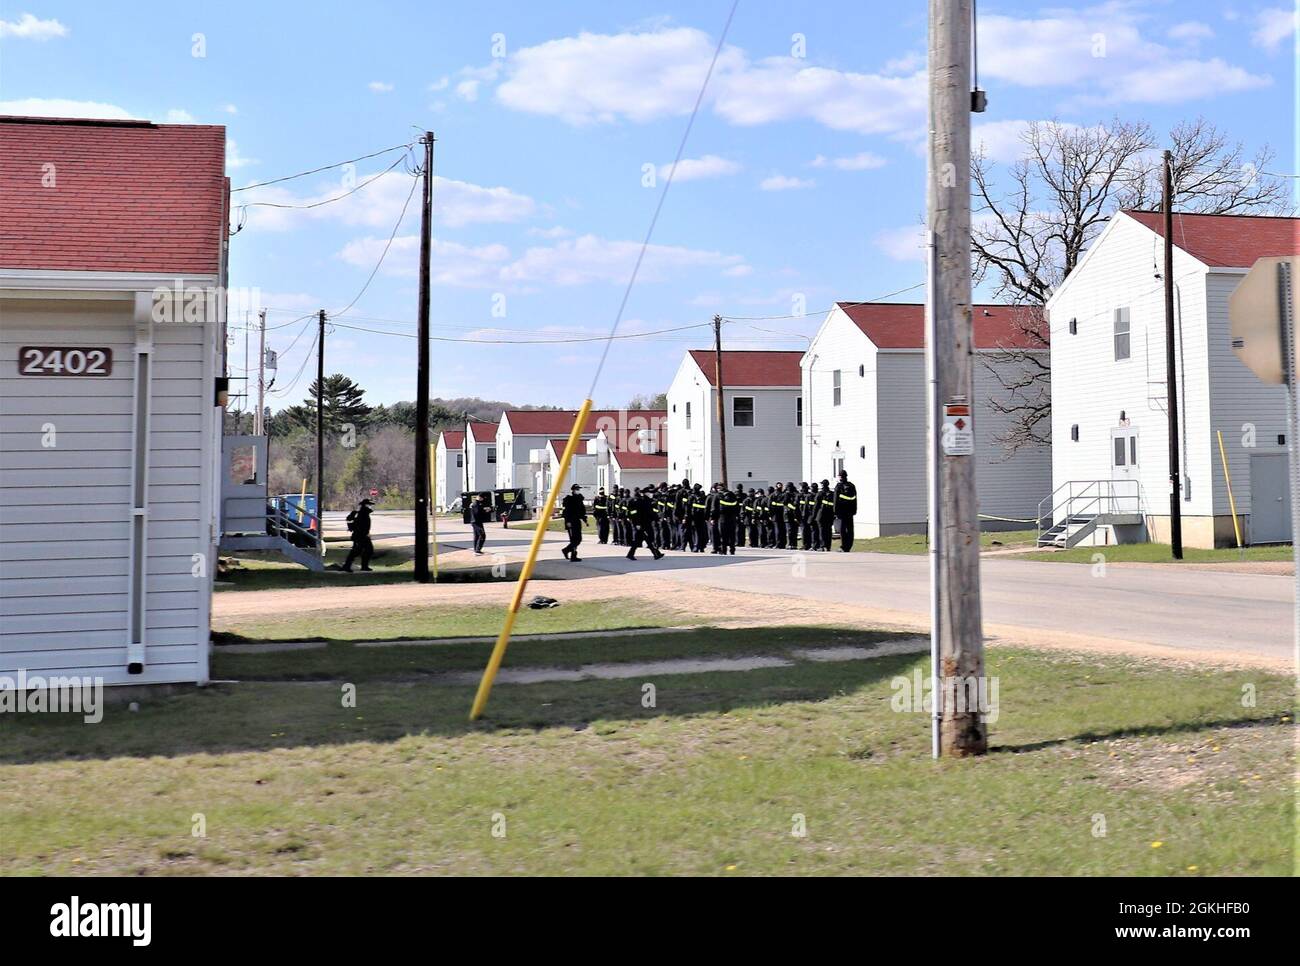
(1104, 496)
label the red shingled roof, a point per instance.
(741, 367)
(548, 422)
(901, 325)
(453, 439)
(1227, 241)
(483, 432)
(127, 196)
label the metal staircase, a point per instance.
(1077, 508)
(249, 521)
(284, 535)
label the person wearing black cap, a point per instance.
(600, 510)
(846, 508)
(825, 515)
(359, 524)
(479, 514)
(573, 510)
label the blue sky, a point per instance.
(806, 166)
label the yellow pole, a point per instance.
(499, 651)
(433, 476)
(1232, 504)
(302, 502)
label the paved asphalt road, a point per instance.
(1193, 609)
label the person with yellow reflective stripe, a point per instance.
(699, 518)
(728, 511)
(846, 507)
(825, 515)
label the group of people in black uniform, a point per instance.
(687, 517)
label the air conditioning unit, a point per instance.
(647, 441)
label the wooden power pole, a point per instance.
(259, 426)
(960, 641)
(320, 432)
(422, 501)
(1175, 472)
(722, 405)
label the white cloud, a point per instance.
(440, 84)
(588, 259)
(234, 160)
(863, 161)
(1191, 31)
(782, 182)
(467, 90)
(1004, 140)
(1103, 51)
(29, 27)
(61, 107)
(1273, 26)
(559, 231)
(692, 169)
(177, 116)
(229, 109)
(380, 87)
(903, 244)
(451, 263)
(377, 205)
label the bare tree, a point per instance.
(1033, 221)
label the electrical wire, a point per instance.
(765, 318)
(318, 204)
(567, 341)
(384, 254)
(327, 167)
(305, 359)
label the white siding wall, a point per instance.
(1239, 401)
(65, 510)
(450, 479)
(1090, 388)
(853, 424)
(766, 452)
(482, 474)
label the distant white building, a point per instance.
(864, 410)
(1109, 408)
(522, 437)
(480, 456)
(638, 456)
(450, 479)
(763, 410)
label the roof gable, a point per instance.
(483, 432)
(131, 196)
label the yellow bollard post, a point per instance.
(503, 640)
(1232, 504)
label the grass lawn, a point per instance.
(445, 620)
(916, 542)
(1160, 553)
(582, 777)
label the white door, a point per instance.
(1270, 498)
(1124, 453)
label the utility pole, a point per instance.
(1175, 471)
(722, 405)
(258, 427)
(959, 648)
(320, 432)
(422, 502)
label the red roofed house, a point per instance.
(864, 410)
(522, 440)
(449, 481)
(762, 405)
(634, 453)
(1110, 425)
(112, 337)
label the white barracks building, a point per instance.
(109, 423)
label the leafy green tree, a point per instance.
(358, 475)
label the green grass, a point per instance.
(289, 779)
(915, 543)
(1161, 553)
(418, 622)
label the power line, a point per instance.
(878, 298)
(305, 359)
(327, 167)
(318, 204)
(384, 253)
(594, 338)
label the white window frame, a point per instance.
(753, 413)
(837, 387)
(1122, 318)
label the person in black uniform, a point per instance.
(573, 511)
(728, 516)
(681, 514)
(620, 516)
(791, 517)
(600, 510)
(479, 514)
(699, 519)
(805, 503)
(641, 510)
(825, 515)
(846, 507)
(777, 508)
(711, 502)
(664, 507)
(742, 499)
(359, 524)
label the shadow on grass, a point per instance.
(396, 695)
(1145, 731)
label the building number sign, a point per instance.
(62, 360)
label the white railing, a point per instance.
(1088, 498)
